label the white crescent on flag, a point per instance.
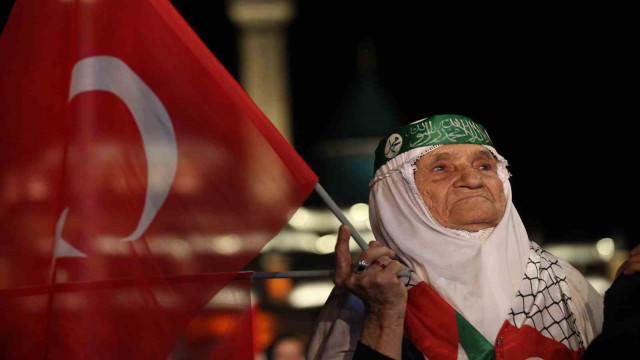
(107, 73)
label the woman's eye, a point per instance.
(485, 167)
(438, 168)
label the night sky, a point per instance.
(553, 87)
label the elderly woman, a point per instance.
(440, 205)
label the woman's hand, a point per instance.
(385, 297)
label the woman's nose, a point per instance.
(469, 177)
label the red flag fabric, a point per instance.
(133, 318)
(129, 155)
(435, 333)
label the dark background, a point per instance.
(553, 87)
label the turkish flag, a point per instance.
(132, 163)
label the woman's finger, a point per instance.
(343, 257)
(394, 267)
(382, 261)
(376, 253)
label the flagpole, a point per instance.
(343, 219)
(340, 215)
(292, 274)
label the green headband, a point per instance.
(434, 130)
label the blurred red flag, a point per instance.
(131, 162)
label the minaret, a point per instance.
(358, 125)
(263, 72)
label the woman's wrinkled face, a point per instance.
(460, 186)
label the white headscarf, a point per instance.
(478, 273)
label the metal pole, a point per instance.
(292, 274)
(343, 219)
